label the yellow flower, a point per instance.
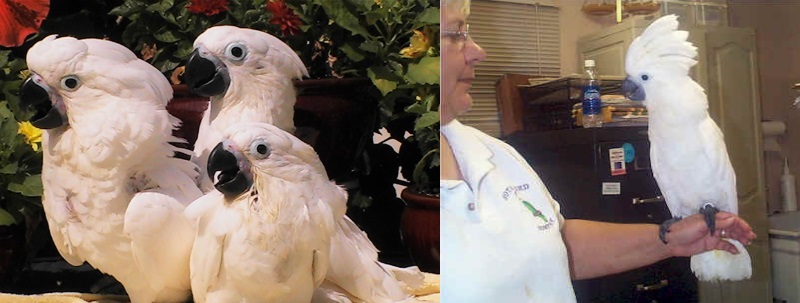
(420, 43)
(33, 135)
(24, 74)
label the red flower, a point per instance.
(284, 17)
(207, 7)
(20, 18)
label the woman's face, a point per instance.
(459, 57)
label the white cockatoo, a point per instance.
(275, 226)
(265, 235)
(114, 194)
(248, 76)
(689, 160)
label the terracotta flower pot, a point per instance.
(419, 227)
(189, 108)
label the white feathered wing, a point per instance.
(113, 192)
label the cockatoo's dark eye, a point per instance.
(645, 77)
(70, 83)
(236, 51)
(260, 149)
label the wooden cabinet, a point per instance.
(728, 69)
(575, 166)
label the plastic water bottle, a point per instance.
(590, 92)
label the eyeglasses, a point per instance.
(460, 35)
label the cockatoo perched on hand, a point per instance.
(265, 235)
(276, 228)
(687, 150)
(248, 75)
(114, 195)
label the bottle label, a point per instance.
(591, 100)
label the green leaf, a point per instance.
(416, 108)
(373, 17)
(166, 36)
(31, 186)
(254, 14)
(8, 130)
(6, 218)
(385, 86)
(429, 16)
(351, 52)
(419, 170)
(382, 78)
(425, 72)
(371, 46)
(362, 5)
(4, 57)
(160, 6)
(185, 49)
(167, 66)
(170, 18)
(426, 120)
(128, 8)
(430, 103)
(5, 113)
(10, 168)
(338, 12)
(396, 67)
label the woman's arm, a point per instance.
(597, 248)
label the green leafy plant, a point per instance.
(20, 153)
(394, 43)
(162, 31)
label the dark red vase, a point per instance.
(189, 108)
(419, 227)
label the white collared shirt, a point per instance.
(500, 227)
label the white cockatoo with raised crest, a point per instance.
(687, 150)
(114, 194)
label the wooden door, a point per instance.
(730, 72)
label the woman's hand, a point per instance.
(690, 236)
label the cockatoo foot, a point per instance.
(709, 214)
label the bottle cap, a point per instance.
(588, 63)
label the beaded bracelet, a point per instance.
(663, 229)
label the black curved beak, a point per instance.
(230, 180)
(205, 75)
(34, 97)
(633, 91)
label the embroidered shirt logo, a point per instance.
(547, 223)
(536, 212)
